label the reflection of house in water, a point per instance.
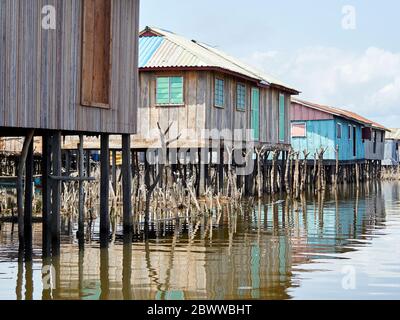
(155, 273)
(259, 261)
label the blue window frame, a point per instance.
(241, 97)
(219, 93)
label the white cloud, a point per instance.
(367, 83)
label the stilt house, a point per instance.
(196, 87)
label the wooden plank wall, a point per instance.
(380, 147)
(40, 86)
(232, 118)
(189, 116)
(199, 111)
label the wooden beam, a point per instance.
(127, 183)
(56, 191)
(104, 190)
(81, 197)
(46, 193)
(28, 192)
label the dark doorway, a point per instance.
(354, 141)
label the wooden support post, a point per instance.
(56, 192)
(46, 194)
(81, 200)
(20, 185)
(28, 193)
(221, 168)
(127, 183)
(88, 166)
(114, 170)
(202, 170)
(104, 190)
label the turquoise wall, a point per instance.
(322, 133)
(346, 145)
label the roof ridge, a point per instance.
(230, 59)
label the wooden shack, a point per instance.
(392, 150)
(196, 88)
(67, 68)
(346, 137)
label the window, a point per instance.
(299, 130)
(96, 53)
(255, 113)
(375, 140)
(339, 131)
(219, 93)
(382, 136)
(282, 127)
(169, 91)
(241, 97)
(350, 129)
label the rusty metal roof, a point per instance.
(341, 113)
(168, 50)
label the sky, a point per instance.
(340, 53)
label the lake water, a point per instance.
(345, 246)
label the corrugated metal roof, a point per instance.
(177, 51)
(341, 113)
(393, 134)
(147, 47)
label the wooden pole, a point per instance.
(20, 196)
(104, 190)
(114, 169)
(56, 192)
(221, 168)
(46, 194)
(81, 205)
(28, 193)
(127, 183)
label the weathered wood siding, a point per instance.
(380, 146)
(231, 118)
(199, 111)
(40, 83)
(187, 119)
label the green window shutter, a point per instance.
(219, 93)
(162, 94)
(176, 90)
(241, 97)
(255, 113)
(282, 122)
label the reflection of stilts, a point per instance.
(104, 276)
(127, 267)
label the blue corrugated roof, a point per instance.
(147, 47)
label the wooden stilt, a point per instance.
(28, 193)
(20, 187)
(127, 183)
(221, 169)
(88, 167)
(81, 200)
(114, 169)
(104, 190)
(46, 194)
(56, 192)
(202, 168)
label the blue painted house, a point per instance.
(314, 126)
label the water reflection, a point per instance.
(272, 249)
